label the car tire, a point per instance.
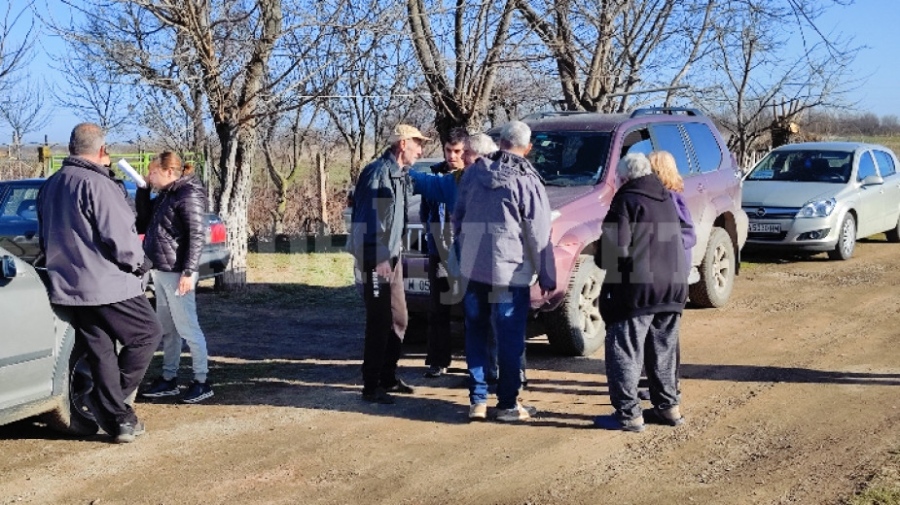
(73, 414)
(717, 272)
(575, 328)
(893, 235)
(846, 243)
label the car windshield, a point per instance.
(804, 166)
(569, 158)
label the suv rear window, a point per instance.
(569, 158)
(709, 154)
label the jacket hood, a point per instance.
(648, 185)
(500, 168)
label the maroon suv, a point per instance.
(576, 154)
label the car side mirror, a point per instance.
(872, 180)
(7, 267)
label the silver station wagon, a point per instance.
(822, 196)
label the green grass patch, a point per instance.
(315, 269)
(884, 487)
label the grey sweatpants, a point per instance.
(651, 341)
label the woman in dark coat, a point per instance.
(174, 235)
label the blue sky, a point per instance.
(872, 23)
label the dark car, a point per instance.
(576, 154)
(18, 226)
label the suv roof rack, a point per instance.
(647, 111)
(555, 113)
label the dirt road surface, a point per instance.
(790, 394)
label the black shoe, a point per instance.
(400, 387)
(434, 372)
(198, 392)
(378, 395)
(128, 432)
(161, 387)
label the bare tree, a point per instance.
(460, 50)
(234, 54)
(373, 85)
(749, 74)
(14, 52)
(603, 52)
(92, 88)
(25, 111)
(282, 147)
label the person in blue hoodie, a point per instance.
(642, 296)
(502, 224)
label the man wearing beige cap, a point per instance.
(376, 233)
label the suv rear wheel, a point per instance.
(575, 328)
(716, 272)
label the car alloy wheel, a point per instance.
(846, 240)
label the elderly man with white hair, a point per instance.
(502, 223)
(642, 297)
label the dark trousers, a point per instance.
(650, 340)
(386, 322)
(133, 325)
(439, 346)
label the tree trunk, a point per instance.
(234, 197)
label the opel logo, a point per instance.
(760, 212)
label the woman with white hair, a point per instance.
(643, 295)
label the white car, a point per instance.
(42, 371)
(822, 196)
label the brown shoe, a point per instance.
(671, 416)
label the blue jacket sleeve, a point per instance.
(434, 187)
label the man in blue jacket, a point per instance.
(376, 239)
(95, 262)
(642, 296)
(502, 223)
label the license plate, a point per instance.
(765, 228)
(416, 285)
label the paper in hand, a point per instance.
(131, 172)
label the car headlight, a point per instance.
(819, 208)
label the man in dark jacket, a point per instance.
(376, 234)
(94, 263)
(642, 296)
(435, 215)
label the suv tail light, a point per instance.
(217, 233)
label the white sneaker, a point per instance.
(478, 412)
(518, 413)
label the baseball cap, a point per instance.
(405, 132)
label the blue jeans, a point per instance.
(505, 310)
(178, 316)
